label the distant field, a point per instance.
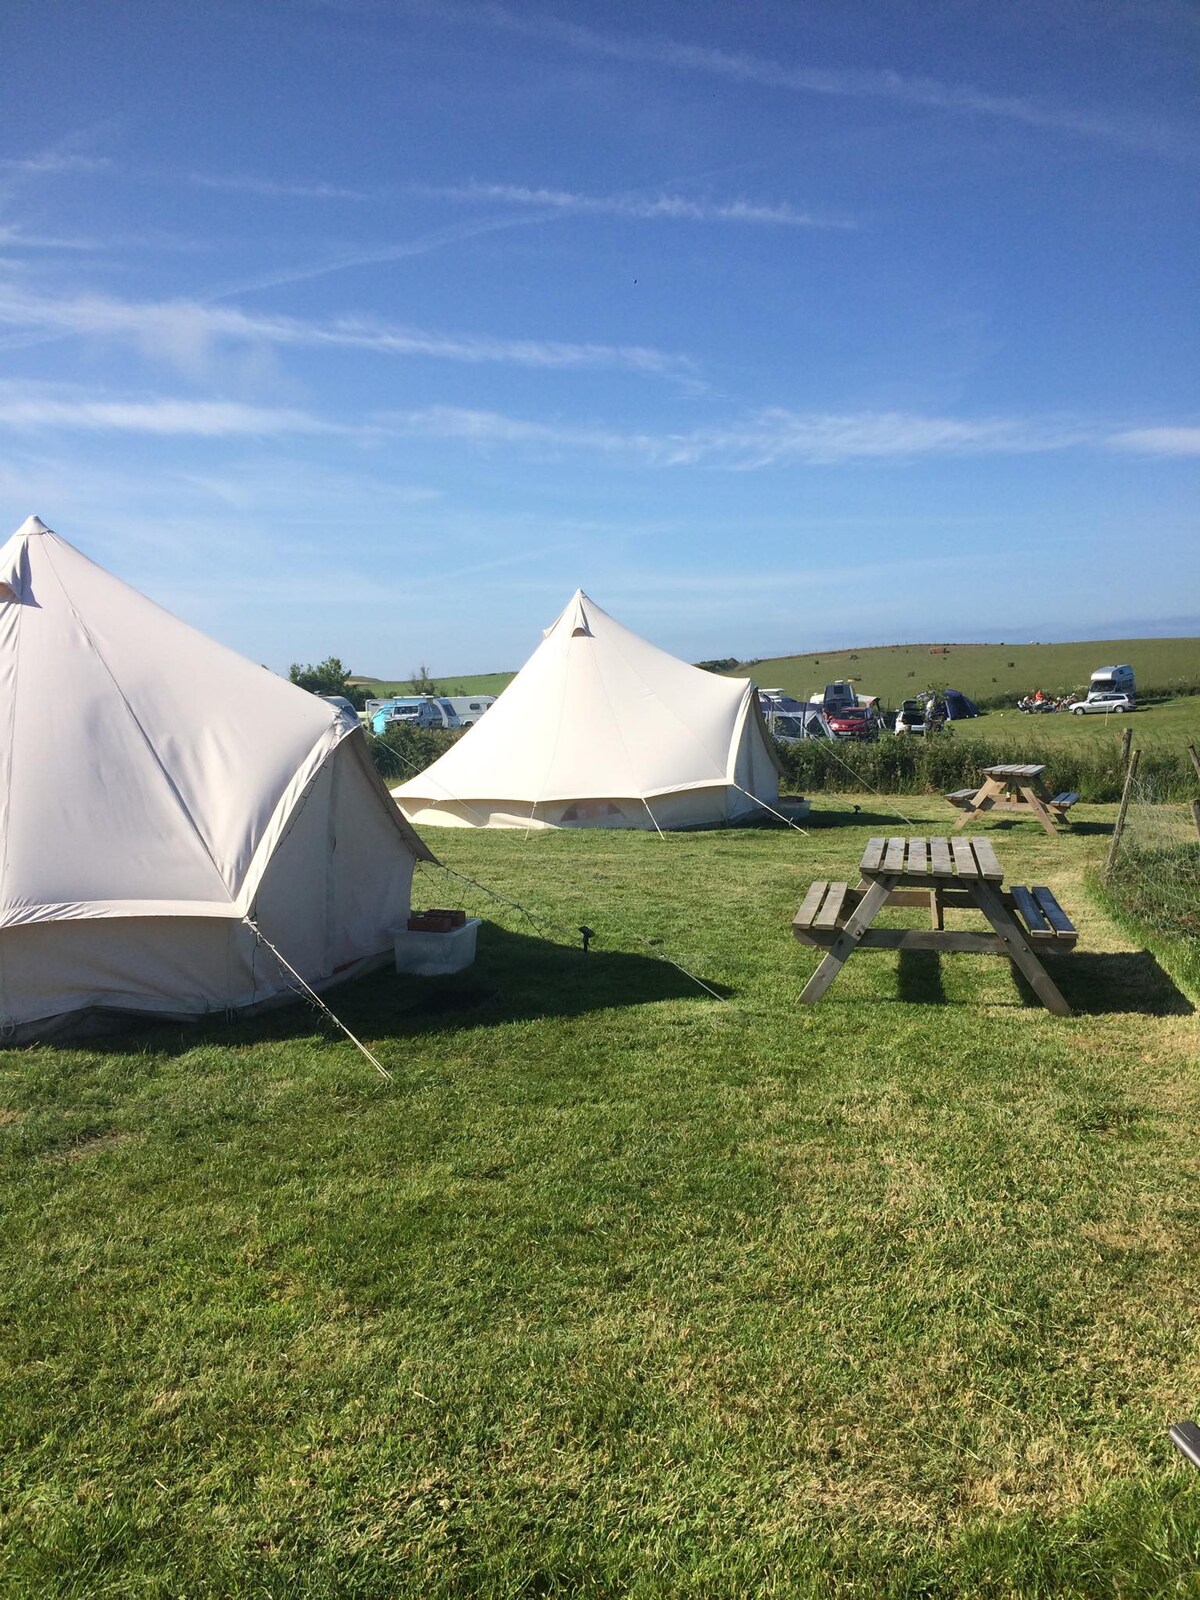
(478, 683)
(1173, 723)
(983, 671)
(986, 672)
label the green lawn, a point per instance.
(621, 1288)
(1172, 723)
(477, 683)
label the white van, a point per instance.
(1112, 680)
(468, 708)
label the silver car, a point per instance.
(1108, 701)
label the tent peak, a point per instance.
(30, 526)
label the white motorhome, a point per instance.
(1112, 680)
(468, 708)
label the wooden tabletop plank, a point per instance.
(1018, 771)
(940, 861)
(893, 860)
(985, 856)
(964, 858)
(918, 857)
(829, 913)
(872, 856)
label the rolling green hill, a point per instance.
(990, 673)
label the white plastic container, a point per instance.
(430, 955)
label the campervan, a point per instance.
(468, 708)
(1112, 680)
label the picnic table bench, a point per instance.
(934, 873)
(1016, 789)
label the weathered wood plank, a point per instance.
(1030, 910)
(954, 942)
(964, 858)
(830, 912)
(1053, 912)
(893, 860)
(872, 855)
(811, 904)
(918, 857)
(941, 862)
(985, 856)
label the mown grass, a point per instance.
(621, 1288)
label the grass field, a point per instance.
(623, 1287)
(985, 672)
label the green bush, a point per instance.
(943, 762)
(402, 752)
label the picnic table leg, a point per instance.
(1019, 950)
(846, 942)
(985, 799)
(937, 917)
(1037, 804)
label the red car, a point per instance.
(852, 722)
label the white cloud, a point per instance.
(1159, 441)
(673, 208)
(774, 437)
(759, 71)
(162, 415)
(183, 329)
(269, 188)
(52, 163)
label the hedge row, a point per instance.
(940, 764)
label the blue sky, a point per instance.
(375, 329)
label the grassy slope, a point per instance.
(620, 1289)
(478, 683)
(984, 670)
(1171, 724)
(895, 671)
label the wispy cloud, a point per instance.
(181, 328)
(668, 208)
(763, 72)
(163, 416)
(773, 437)
(52, 163)
(1159, 441)
(271, 189)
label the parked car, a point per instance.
(1107, 703)
(852, 722)
(340, 701)
(415, 711)
(910, 718)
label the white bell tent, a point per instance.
(601, 729)
(161, 798)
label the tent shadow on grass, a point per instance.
(516, 978)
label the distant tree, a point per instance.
(721, 664)
(422, 683)
(327, 677)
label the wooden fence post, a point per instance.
(1126, 741)
(1195, 803)
(1191, 751)
(1130, 772)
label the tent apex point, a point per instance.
(30, 526)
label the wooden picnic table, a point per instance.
(937, 873)
(1014, 790)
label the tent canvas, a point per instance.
(602, 729)
(160, 797)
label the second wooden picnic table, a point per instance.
(942, 874)
(1014, 790)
